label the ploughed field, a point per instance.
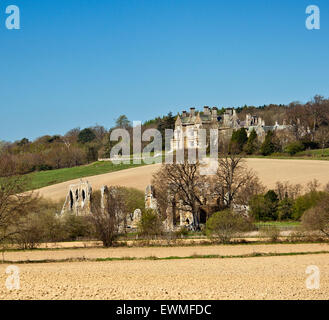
(269, 170)
(277, 277)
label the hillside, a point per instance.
(37, 180)
(269, 170)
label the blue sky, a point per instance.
(75, 63)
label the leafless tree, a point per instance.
(14, 203)
(108, 215)
(322, 136)
(231, 179)
(313, 186)
(287, 190)
(183, 180)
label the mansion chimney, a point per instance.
(184, 114)
(192, 112)
(206, 110)
(214, 113)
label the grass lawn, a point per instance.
(279, 224)
(42, 179)
(317, 154)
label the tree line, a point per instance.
(309, 130)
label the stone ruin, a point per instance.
(177, 214)
(78, 199)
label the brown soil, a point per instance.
(241, 278)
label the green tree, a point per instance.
(150, 224)
(269, 146)
(252, 144)
(264, 207)
(167, 122)
(238, 140)
(285, 209)
(306, 202)
(123, 122)
(86, 135)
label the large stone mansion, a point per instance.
(188, 125)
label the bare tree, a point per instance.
(322, 136)
(287, 190)
(108, 215)
(313, 185)
(231, 179)
(13, 205)
(183, 180)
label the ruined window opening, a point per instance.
(203, 216)
(83, 195)
(71, 200)
(77, 194)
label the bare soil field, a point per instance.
(240, 278)
(269, 170)
(162, 252)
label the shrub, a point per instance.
(317, 218)
(270, 232)
(225, 225)
(30, 232)
(150, 224)
(294, 147)
(77, 227)
(181, 232)
(306, 202)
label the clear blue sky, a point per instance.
(81, 62)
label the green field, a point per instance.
(304, 155)
(42, 179)
(314, 153)
(279, 224)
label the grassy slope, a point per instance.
(42, 179)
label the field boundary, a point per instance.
(154, 258)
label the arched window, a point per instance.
(203, 216)
(71, 200)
